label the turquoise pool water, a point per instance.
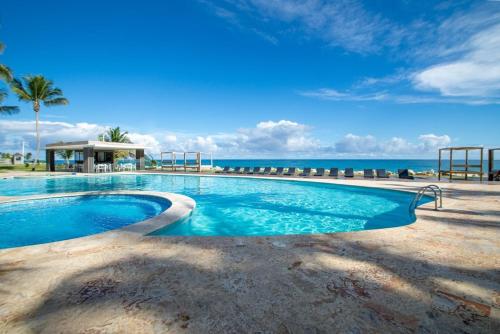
(247, 207)
(45, 220)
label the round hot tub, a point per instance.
(37, 221)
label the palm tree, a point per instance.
(6, 75)
(116, 136)
(6, 110)
(5, 72)
(66, 155)
(36, 90)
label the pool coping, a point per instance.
(181, 207)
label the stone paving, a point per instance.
(438, 275)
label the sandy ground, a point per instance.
(438, 275)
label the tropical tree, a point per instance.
(37, 90)
(66, 155)
(5, 72)
(116, 136)
(28, 156)
(6, 75)
(6, 110)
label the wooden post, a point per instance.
(481, 164)
(439, 166)
(491, 159)
(466, 163)
(451, 164)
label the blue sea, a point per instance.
(356, 164)
(418, 165)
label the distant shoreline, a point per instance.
(417, 165)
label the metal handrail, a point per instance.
(421, 192)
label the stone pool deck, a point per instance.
(438, 275)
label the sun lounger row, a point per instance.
(307, 171)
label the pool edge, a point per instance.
(181, 207)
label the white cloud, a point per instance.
(12, 133)
(330, 94)
(154, 146)
(343, 23)
(281, 136)
(234, 19)
(266, 138)
(431, 142)
(451, 56)
(396, 146)
(274, 139)
(475, 73)
(335, 95)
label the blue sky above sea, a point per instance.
(262, 79)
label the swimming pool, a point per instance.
(238, 206)
(37, 221)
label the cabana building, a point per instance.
(96, 156)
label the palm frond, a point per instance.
(54, 92)
(59, 101)
(2, 47)
(17, 87)
(38, 88)
(5, 73)
(6, 110)
(9, 110)
(115, 135)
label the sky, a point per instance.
(261, 78)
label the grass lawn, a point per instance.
(22, 168)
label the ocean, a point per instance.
(357, 164)
(418, 165)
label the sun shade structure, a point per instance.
(466, 168)
(185, 160)
(493, 174)
(89, 154)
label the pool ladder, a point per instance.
(421, 192)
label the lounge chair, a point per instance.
(290, 171)
(266, 171)
(279, 171)
(382, 174)
(256, 170)
(236, 170)
(334, 172)
(405, 174)
(246, 170)
(225, 170)
(368, 173)
(349, 172)
(306, 172)
(320, 172)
